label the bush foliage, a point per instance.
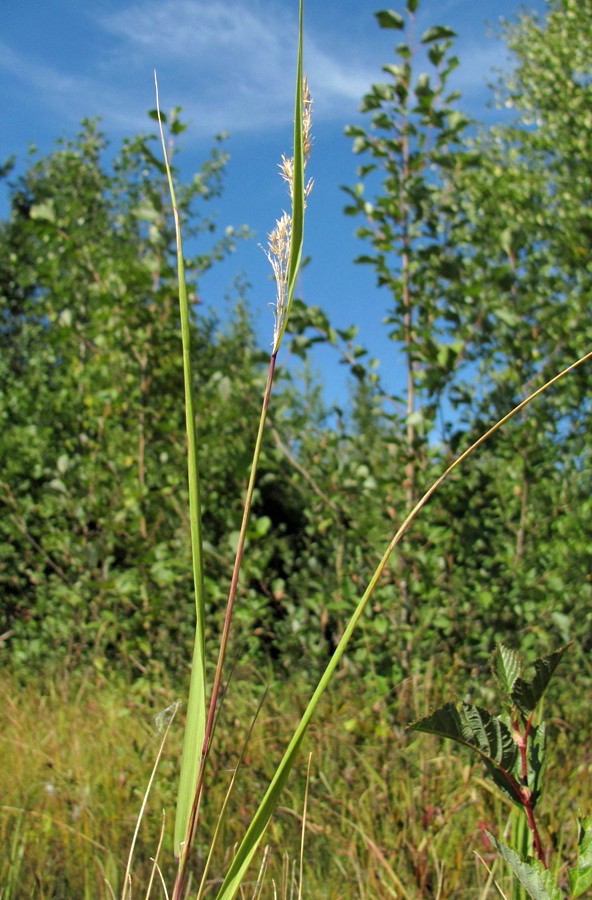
(489, 291)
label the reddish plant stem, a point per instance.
(525, 792)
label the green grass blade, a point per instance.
(222, 813)
(196, 706)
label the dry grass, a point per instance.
(389, 814)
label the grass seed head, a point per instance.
(279, 239)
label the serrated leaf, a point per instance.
(509, 787)
(437, 33)
(507, 667)
(580, 876)
(526, 694)
(475, 728)
(387, 18)
(492, 737)
(532, 875)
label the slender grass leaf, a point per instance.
(530, 873)
(258, 825)
(222, 814)
(526, 694)
(261, 818)
(196, 706)
(580, 877)
(507, 667)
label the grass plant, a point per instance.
(387, 811)
(374, 805)
(285, 252)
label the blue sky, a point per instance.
(229, 64)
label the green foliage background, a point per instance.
(482, 242)
(480, 239)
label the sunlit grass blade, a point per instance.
(260, 820)
(127, 877)
(217, 829)
(196, 706)
(303, 832)
(155, 858)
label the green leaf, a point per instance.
(507, 316)
(397, 71)
(194, 733)
(260, 820)
(388, 19)
(507, 667)
(526, 694)
(580, 876)
(437, 33)
(531, 873)
(44, 211)
(537, 761)
(475, 728)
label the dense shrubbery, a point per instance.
(483, 245)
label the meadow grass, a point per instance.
(285, 254)
(389, 813)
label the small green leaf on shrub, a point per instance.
(507, 667)
(531, 874)
(580, 877)
(526, 694)
(386, 18)
(437, 33)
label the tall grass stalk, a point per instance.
(196, 708)
(285, 255)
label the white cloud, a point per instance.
(238, 58)
(229, 63)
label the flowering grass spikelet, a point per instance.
(279, 240)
